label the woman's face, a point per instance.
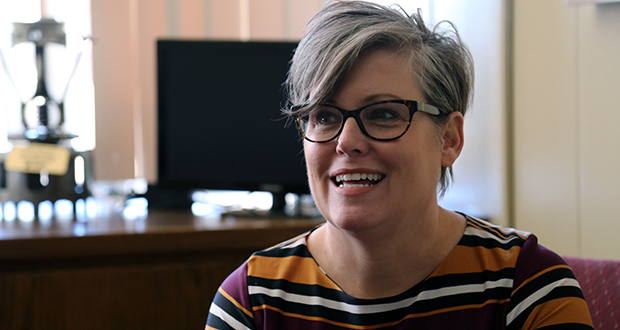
(408, 168)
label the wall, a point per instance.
(566, 160)
(481, 177)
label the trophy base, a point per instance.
(41, 187)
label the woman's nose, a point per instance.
(351, 140)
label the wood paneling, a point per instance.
(163, 277)
(114, 89)
(192, 20)
(150, 28)
(226, 19)
(268, 19)
(157, 296)
(299, 13)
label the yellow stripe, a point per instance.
(559, 311)
(294, 269)
(235, 302)
(460, 260)
(497, 230)
(546, 270)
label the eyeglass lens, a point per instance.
(381, 121)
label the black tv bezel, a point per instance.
(163, 179)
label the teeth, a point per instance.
(357, 177)
(349, 185)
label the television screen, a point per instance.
(219, 120)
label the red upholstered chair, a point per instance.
(600, 283)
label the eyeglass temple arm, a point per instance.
(430, 109)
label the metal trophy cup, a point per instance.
(42, 167)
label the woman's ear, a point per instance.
(453, 139)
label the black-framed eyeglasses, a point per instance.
(382, 121)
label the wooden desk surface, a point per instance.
(158, 232)
(159, 271)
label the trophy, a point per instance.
(42, 167)
(41, 107)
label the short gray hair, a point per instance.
(342, 30)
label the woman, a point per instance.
(379, 99)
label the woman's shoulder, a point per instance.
(287, 258)
(265, 264)
(293, 246)
(520, 243)
(492, 247)
(488, 233)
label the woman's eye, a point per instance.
(384, 114)
(324, 118)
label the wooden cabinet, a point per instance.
(110, 273)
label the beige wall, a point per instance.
(566, 117)
(480, 185)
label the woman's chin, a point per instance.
(354, 220)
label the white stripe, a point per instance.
(291, 243)
(542, 292)
(470, 288)
(485, 234)
(505, 230)
(369, 309)
(298, 242)
(231, 321)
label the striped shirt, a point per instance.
(495, 278)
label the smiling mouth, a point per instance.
(357, 180)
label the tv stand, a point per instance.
(278, 210)
(163, 198)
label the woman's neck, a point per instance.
(382, 262)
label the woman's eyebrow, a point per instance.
(372, 98)
(377, 97)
